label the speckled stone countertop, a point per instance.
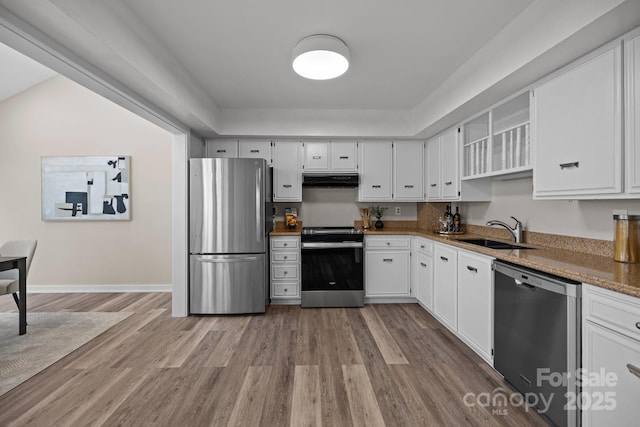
(598, 270)
(283, 230)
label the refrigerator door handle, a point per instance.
(225, 260)
(259, 221)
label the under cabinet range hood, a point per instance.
(330, 180)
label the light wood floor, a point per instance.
(390, 365)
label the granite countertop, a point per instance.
(282, 230)
(596, 270)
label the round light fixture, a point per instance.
(320, 57)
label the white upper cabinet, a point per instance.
(255, 149)
(316, 156)
(287, 173)
(408, 171)
(443, 173)
(222, 148)
(344, 156)
(330, 156)
(577, 128)
(375, 158)
(632, 110)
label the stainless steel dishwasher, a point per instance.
(537, 338)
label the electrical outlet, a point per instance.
(398, 212)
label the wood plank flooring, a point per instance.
(382, 365)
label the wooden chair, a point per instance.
(9, 279)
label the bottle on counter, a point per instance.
(457, 220)
(448, 219)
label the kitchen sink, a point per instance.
(493, 244)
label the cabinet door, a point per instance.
(433, 169)
(316, 156)
(445, 286)
(387, 273)
(375, 171)
(255, 149)
(343, 156)
(632, 110)
(577, 128)
(222, 148)
(408, 167)
(449, 164)
(287, 175)
(475, 303)
(424, 279)
(607, 354)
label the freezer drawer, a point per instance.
(228, 284)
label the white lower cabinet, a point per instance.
(422, 272)
(445, 285)
(610, 358)
(475, 303)
(387, 266)
(285, 269)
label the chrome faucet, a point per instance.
(516, 231)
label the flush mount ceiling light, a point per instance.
(320, 57)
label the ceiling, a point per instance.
(19, 73)
(223, 67)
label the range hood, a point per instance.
(330, 180)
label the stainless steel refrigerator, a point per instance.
(230, 219)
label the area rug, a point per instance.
(49, 337)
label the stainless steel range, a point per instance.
(332, 267)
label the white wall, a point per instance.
(587, 218)
(60, 118)
(335, 207)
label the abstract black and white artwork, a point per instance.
(86, 188)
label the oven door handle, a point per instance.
(330, 245)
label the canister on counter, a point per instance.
(627, 238)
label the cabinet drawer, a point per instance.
(284, 257)
(391, 242)
(424, 246)
(284, 243)
(284, 271)
(285, 289)
(617, 311)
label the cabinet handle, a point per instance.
(475, 270)
(221, 151)
(376, 186)
(569, 165)
(638, 325)
(433, 185)
(421, 246)
(633, 369)
(286, 185)
(344, 157)
(317, 157)
(408, 186)
(445, 259)
(423, 264)
(448, 183)
(387, 259)
(254, 151)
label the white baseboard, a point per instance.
(65, 289)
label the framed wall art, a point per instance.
(86, 188)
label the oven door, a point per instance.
(332, 266)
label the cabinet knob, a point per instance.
(421, 246)
(286, 257)
(286, 289)
(285, 272)
(388, 243)
(638, 325)
(285, 244)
